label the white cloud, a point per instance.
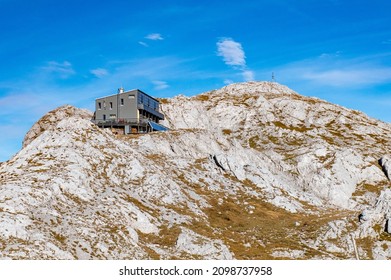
(99, 72)
(361, 83)
(233, 55)
(228, 81)
(143, 44)
(231, 51)
(159, 85)
(39, 93)
(348, 77)
(337, 71)
(64, 70)
(330, 55)
(248, 75)
(154, 37)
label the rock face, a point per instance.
(385, 163)
(249, 171)
(51, 119)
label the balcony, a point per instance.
(141, 106)
(121, 122)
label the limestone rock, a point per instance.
(249, 171)
(385, 163)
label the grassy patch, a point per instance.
(59, 237)
(301, 128)
(166, 237)
(256, 233)
(253, 142)
(163, 100)
(202, 97)
(363, 188)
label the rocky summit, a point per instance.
(250, 171)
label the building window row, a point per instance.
(147, 101)
(100, 105)
(122, 102)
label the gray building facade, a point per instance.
(132, 110)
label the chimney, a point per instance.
(121, 90)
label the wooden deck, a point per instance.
(129, 126)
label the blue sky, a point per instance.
(70, 52)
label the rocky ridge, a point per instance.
(249, 171)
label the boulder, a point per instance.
(385, 163)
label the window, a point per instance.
(111, 105)
(104, 117)
(99, 105)
(122, 102)
(131, 96)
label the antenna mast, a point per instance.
(273, 78)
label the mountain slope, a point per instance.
(252, 170)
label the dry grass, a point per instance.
(59, 237)
(301, 129)
(365, 187)
(256, 234)
(253, 142)
(202, 97)
(251, 227)
(163, 100)
(166, 238)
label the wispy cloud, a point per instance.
(233, 55)
(99, 72)
(154, 37)
(348, 77)
(248, 75)
(337, 72)
(361, 83)
(331, 55)
(64, 70)
(39, 93)
(37, 99)
(159, 85)
(143, 44)
(232, 52)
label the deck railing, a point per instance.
(120, 122)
